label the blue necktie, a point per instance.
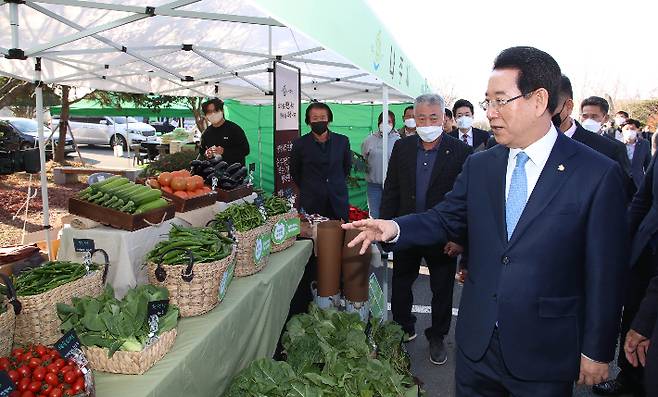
(518, 194)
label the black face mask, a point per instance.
(556, 119)
(319, 127)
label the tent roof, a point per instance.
(195, 47)
(94, 108)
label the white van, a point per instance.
(108, 130)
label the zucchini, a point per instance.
(118, 204)
(143, 198)
(113, 185)
(128, 207)
(151, 205)
(133, 191)
(106, 181)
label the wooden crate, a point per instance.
(193, 203)
(226, 196)
(118, 219)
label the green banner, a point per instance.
(366, 44)
(285, 229)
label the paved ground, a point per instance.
(102, 156)
(439, 380)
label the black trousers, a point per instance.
(406, 265)
(636, 287)
(489, 377)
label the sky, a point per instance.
(605, 47)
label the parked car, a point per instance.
(25, 132)
(107, 130)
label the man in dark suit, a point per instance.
(639, 317)
(611, 148)
(474, 137)
(320, 162)
(637, 148)
(547, 244)
(422, 169)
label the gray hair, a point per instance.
(431, 99)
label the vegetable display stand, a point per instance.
(253, 250)
(195, 287)
(284, 228)
(38, 322)
(130, 363)
(8, 318)
(227, 196)
(192, 203)
(118, 219)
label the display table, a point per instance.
(211, 349)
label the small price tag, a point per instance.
(83, 244)
(158, 308)
(215, 181)
(68, 344)
(377, 299)
(263, 247)
(6, 384)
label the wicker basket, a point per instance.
(194, 288)
(272, 221)
(130, 363)
(38, 323)
(8, 318)
(246, 264)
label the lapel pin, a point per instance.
(447, 151)
(560, 168)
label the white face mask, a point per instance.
(410, 123)
(465, 122)
(591, 125)
(619, 121)
(215, 117)
(429, 133)
(388, 128)
(629, 135)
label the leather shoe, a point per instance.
(612, 387)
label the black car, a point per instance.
(24, 131)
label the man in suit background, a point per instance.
(449, 126)
(594, 115)
(409, 122)
(473, 137)
(611, 148)
(546, 239)
(320, 162)
(637, 148)
(421, 171)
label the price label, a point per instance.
(158, 308)
(262, 247)
(68, 344)
(226, 280)
(83, 244)
(285, 229)
(6, 384)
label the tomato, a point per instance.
(52, 379)
(14, 375)
(23, 384)
(24, 371)
(52, 368)
(39, 373)
(70, 378)
(34, 362)
(34, 386)
(16, 351)
(60, 362)
(27, 394)
(164, 179)
(79, 385)
(77, 372)
(66, 369)
(41, 349)
(56, 393)
(181, 193)
(4, 363)
(27, 356)
(46, 357)
(15, 393)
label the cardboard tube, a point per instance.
(330, 244)
(355, 270)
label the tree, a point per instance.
(645, 111)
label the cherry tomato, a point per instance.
(34, 386)
(77, 372)
(39, 373)
(66, 369)
(23, 384)
(41, 350)
(24, 371)
(4, 363)
(52, 379)
(16, 351)
(27, 394)
(52, 368)
(14, 375)
(60, 362)
(34, 362)
(70, 378)
(56, 393)
(79, 385)
(71, 363)
(15, 393)
(27, 356)
(46, 357)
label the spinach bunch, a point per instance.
(116, 324)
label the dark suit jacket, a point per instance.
(641, 160)
(643, 213)
(318, 184)
(480, 138)
(645, 319)
(554, 289)
(400, 187)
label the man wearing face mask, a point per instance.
(638, 150)
(222, 137)
(409, 122)
(449, 126)
(620, 119)
(611, 148)
(320, 162)
(422, 170)
(476, 138)
(372, 151)
(594, 114)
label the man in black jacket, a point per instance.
(474, 137)
(223, 137)
(422, 169)
(320, 162)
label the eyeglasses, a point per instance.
(498, 103)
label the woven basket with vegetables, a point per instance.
(120, 336)
(8, 311)
(281, 221)
(251, 233)
(42, 288)
(191, 264)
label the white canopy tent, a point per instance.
(203, 48)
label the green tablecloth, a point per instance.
(212, 348)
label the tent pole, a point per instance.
(384, 169)
(13, 21)
(260, 150)
(42, 155)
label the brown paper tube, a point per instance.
(330, 245)
(355, 270)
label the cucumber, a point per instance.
(129, 207)
(106, 181)
(132, 191)
(146, 197)
(118, 204)
(151, 205)
(113, 185)
(111, 202)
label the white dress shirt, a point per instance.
(469, 133)
(571, 130)
(538, 153)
